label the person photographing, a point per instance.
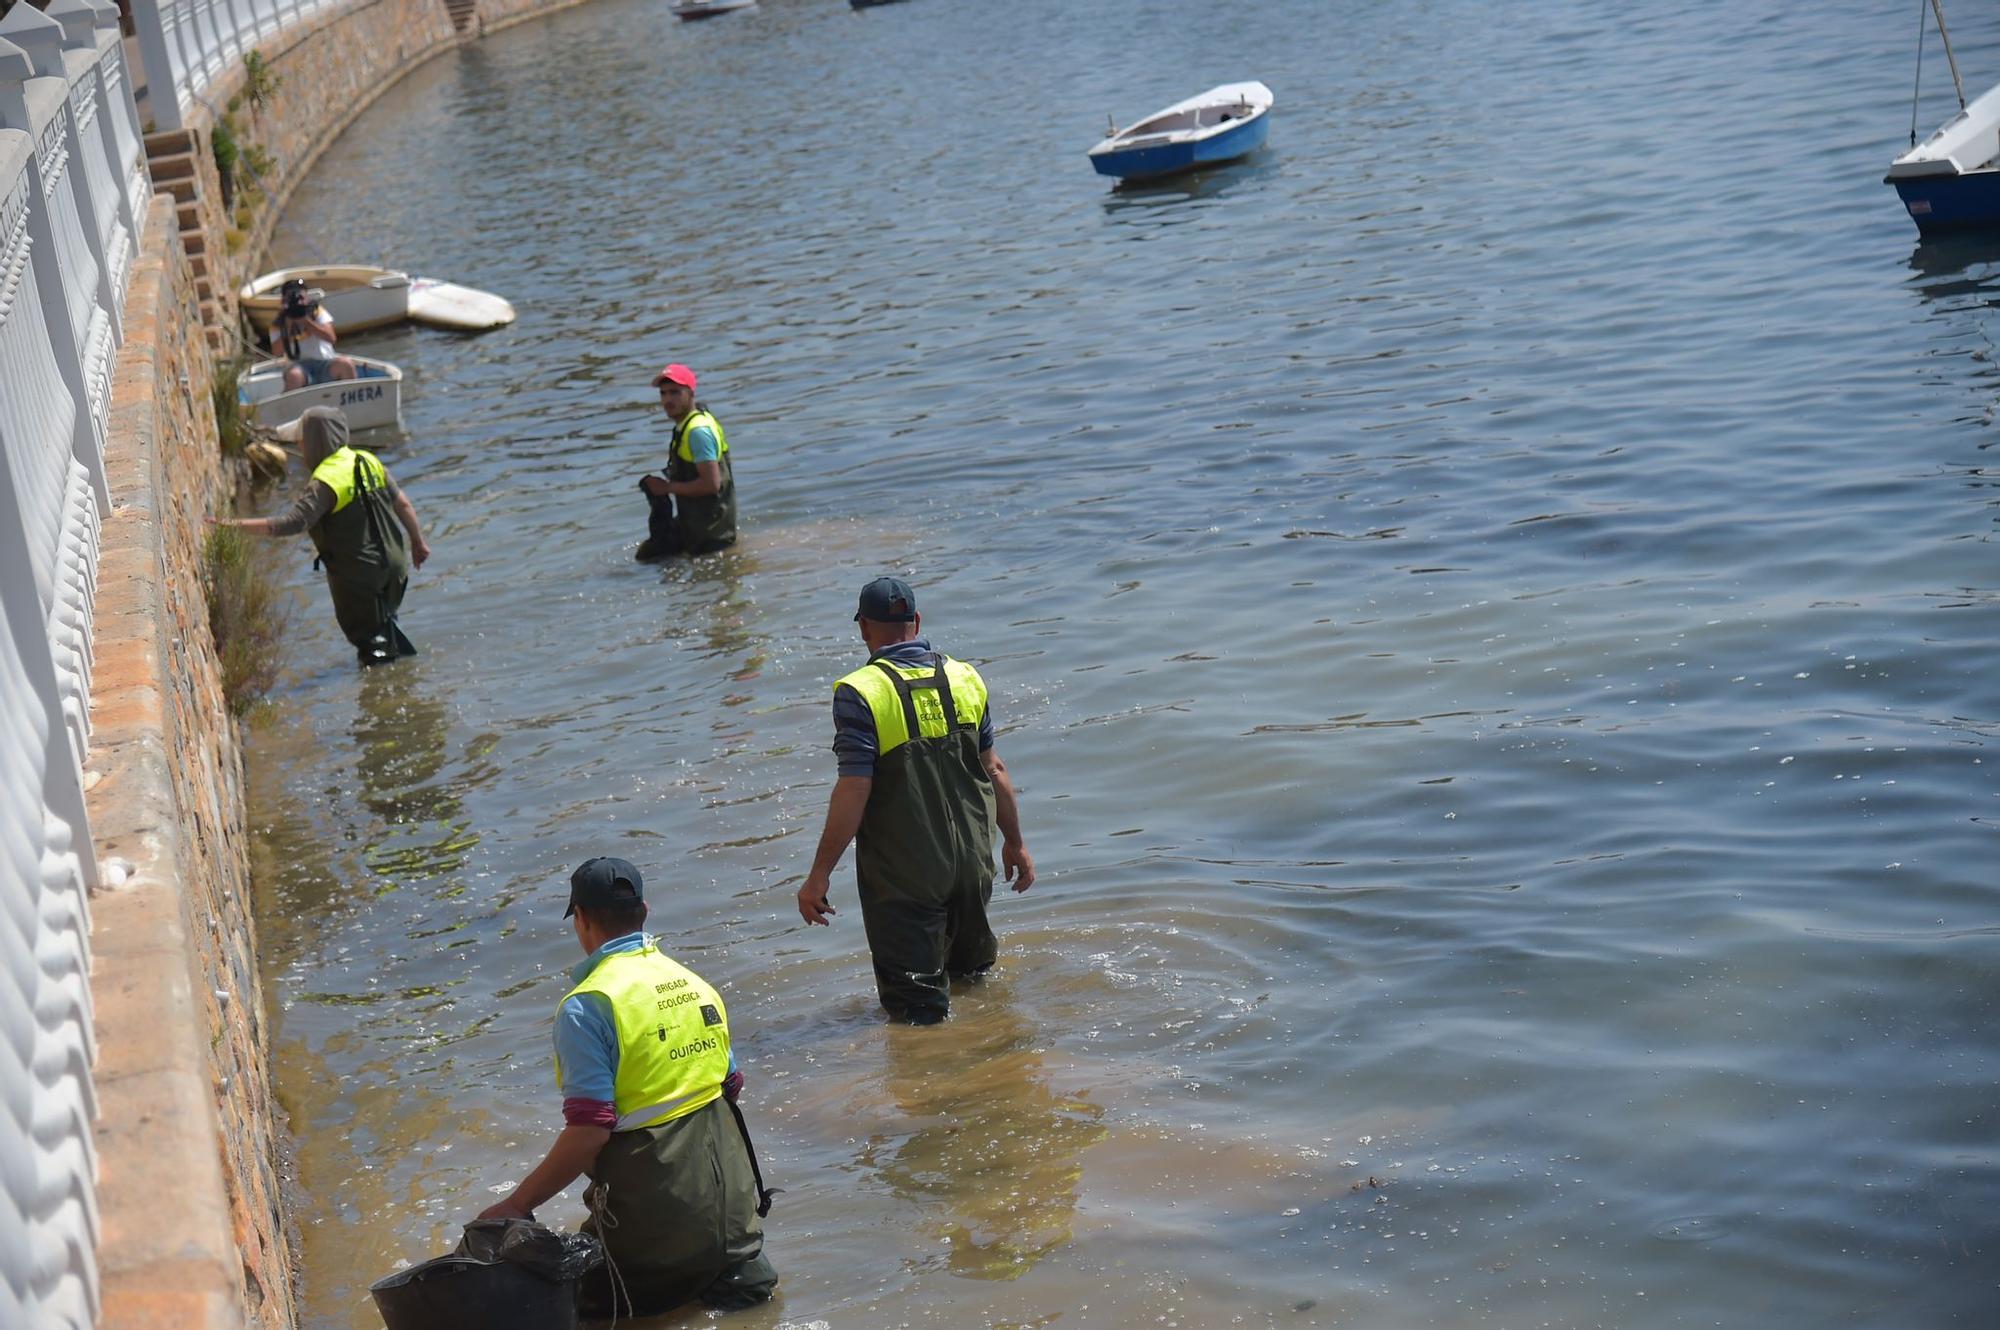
(303, 335)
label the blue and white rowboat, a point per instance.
(1951, 181)
(1219, 125)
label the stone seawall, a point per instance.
(193, 1230)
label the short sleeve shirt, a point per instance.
(701, 444)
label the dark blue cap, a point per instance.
(602, 882)
(887, 600)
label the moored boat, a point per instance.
(690, 9)
(371, 401)
(1951, 181)
(1220, 125)
(360, 297)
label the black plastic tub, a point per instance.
(461, 1293)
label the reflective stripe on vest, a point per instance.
(337, 471)
(673, 1036)
(919, 698)
(679, 447)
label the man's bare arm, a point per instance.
(573, 1153)
(843, 819)
(1014, 856)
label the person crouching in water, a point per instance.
(365, 530)
(692, 511)
(649, 1085)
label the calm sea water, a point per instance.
(1492, 605)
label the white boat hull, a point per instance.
(449, 305)
(357, 297)
(360, 297)
(373, 402)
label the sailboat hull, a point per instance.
(1945, 203)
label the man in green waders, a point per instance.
(649, 1089)
(921, 791)
(692, 511)
(364, 528)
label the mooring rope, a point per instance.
(593, 1197)
(1918, 89)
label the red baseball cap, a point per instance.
(675, 373)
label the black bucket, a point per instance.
(461, 1293)
(506, 1275)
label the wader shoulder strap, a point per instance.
(764, 1194)
(906, 688)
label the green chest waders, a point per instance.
(923, 859)
(366, 554)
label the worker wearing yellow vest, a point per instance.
(649, 1087)
(364, 529)
(693, 510)
(921, 791)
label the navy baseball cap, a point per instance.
(887, 600)
(602, 882)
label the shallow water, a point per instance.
(1491, 604)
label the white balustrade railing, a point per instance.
(73, 194)
(188, 44)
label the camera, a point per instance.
(299, 302)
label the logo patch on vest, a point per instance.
(709, 1015)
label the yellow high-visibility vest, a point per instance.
(680, 448)
(893, 714)
(673, 1036)
(339, 468)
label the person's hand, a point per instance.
(654, 486)
(813, 905)
(420, 550)
(210, 519)
(732, 1085)
(507, 1209)
(1020, 866)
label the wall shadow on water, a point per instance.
(358, 1044)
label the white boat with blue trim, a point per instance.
(1220, 125)
(372, 400)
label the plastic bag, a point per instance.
(507, 1274)
(553, 1255)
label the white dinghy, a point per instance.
(372, 401)
(360, 297)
